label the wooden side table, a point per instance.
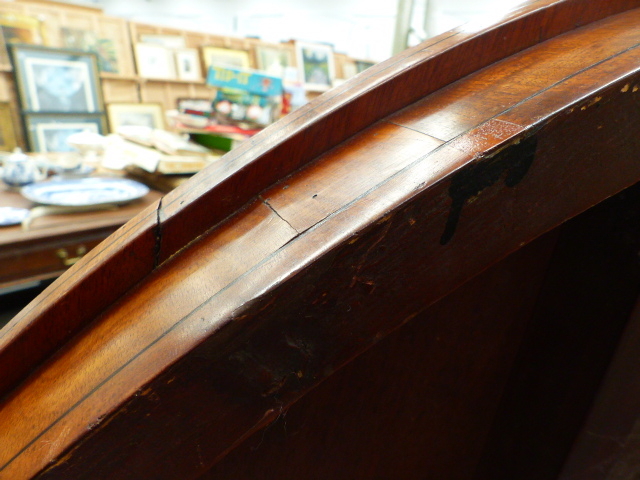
(54, 242)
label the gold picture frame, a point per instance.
(225, 57)
(135, 114)
(16, 28)
(8, 140)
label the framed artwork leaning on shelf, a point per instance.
(19, 28)
(56, 80)
(49, 132)
(155, 62)
(316, 64)
(188, 65)
(86, 40)
(273, 60)
(7, 132)
(135, 114)
(225, 57)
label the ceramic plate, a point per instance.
(85, 191)
(12, 215)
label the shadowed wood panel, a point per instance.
(446, 368)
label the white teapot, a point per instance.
(19, 170)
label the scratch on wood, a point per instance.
(381, 237)
(158, 236)
(266, 202)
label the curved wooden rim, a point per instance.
(397, 192)
(188, 212)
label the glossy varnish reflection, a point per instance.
(261, 277)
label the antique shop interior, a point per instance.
(106, 105)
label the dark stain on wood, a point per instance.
(513, 161)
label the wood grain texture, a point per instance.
(239, 320)
(446, 367)
(281, 149)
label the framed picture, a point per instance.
(273, 60)
(87, 41)
(56, 80)
(155, 62)
(49, 132)
(17, 28)
(188, 64)
(224, 57)
(7, 133)
(135, 114)
(316, 65)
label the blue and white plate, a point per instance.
(12, 215)
(85, 191)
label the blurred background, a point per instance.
(359, 28)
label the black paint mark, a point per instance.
(471, 180)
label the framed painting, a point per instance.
(155, 62)
(225, 57)
(135, 114)
(17, 28)
(188, 65)
(273, 60)
(87, 41)
(55, 80)
(316, 64)
(8, 139)
(49, 132)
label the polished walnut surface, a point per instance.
(259, 285)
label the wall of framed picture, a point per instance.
(59, 93)
(177, 69)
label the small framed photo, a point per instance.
(135, 114)
(188, 64)
(316, 65)
(155, 62)
(7, 133)
(225, 57)
(49, 132)
(273, 60)
(55, 80)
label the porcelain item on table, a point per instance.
(12, 215)
(85, 191)
(21, 170)
(89, 144)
